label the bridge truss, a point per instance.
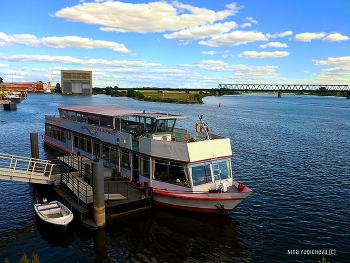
(283, 87)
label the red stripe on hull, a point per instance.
(210, 196)
(55, 146)
(214, 203)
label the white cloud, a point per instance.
(336, 62)
(240, 73)
(144, 18)
(76, 61)
(81, 42)
(274, 44)
(202, 31)
(234, 38)
(254, 54)
(307, 37)
(24, 39)
(225, 54)
(60, 42)
(210, 53)
(338, 70)
(252, 20)
(283, 34)
(335, 37)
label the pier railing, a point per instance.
(24, 169)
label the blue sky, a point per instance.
(177, 44)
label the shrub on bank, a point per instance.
(24, 259)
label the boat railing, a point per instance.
(74, 183)
(118, 187)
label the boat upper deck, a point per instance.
(117, 112)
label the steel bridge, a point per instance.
(24, 169)
(283, 87)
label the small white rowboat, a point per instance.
(54, 214)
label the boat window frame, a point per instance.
(201, 179)
(71, 115)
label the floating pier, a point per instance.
(113, 198)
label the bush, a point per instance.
(24, 259)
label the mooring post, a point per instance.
(98, 194)
(34, 146)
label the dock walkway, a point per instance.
(121, 197)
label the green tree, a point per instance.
(131, 93)
(109, 91)
(58, 88)
(1, 80)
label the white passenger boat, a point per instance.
(14, 96)
(54, 214)
(187, 171)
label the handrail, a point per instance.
(20, 168)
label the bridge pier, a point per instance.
(348, 94)
(280, 94)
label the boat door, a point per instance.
(135, 167)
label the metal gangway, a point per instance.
(24, 169)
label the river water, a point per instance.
(292, 151)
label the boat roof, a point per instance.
(115, 112)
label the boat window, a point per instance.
(106, 122)
(124, 124)
(96, 148)
(88, 146)
(118, 124)
(149, 123)
(71, 115)
(225, 169)
(63, 114)
(125, 160)
(170, 172)
(144, 166)
(93, 120)
(201, 174)
(75, 141)
(82, 144)
(134, 125)
(114, 158)
(81, 117)
(105, 152)
(48, 130)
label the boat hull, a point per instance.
(201, 202)
(54, 215)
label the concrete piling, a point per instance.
(98, 194)
(34, 145)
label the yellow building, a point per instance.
(76, 82)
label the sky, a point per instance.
(177, 44)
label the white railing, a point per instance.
(24, 169)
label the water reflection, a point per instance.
(163, 235)
(54, 237)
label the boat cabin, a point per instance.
(142, 146)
